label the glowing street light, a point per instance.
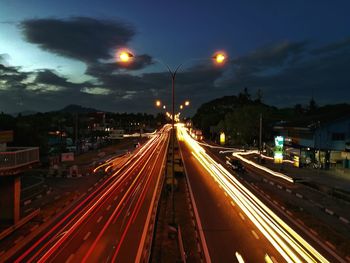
(187, 103)
(125, 56)
(164, 107)
(220, 57)
(158, 103)
(181, 107)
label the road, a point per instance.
(233, 219)
(108, 224)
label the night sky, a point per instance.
(55, 53)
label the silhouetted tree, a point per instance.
(312, 105)
(259, 96)
(244, 96)
(298, 108)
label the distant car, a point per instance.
(235, 165)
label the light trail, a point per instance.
(228, 149)
(271, 158)
(240, 155)
(117, 212)
(99, 202)
(291, 246)
(239, 257)
(92, 202)
(137, 208)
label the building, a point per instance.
(326, 142)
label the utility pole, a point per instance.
(76, 134)
(260, 136)
(173, 75)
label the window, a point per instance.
(338, 136)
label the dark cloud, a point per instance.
(92, 41)
(10, 77)
(333, 47)
(97, 69)
(287, 73)
(322, 74)
(267, 57)
(49, 77)
(82, 38)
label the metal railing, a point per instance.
(15, 157)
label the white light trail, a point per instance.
(291, 246)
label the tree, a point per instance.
(259, 96)
(244, 97)
(298, 109)
(312, 106)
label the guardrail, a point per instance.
(15, 157)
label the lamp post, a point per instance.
(125, 57)
(158, 103)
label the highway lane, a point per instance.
(276, 237)
(226, 229)
(96, 230)
(281, 206)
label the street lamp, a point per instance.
(187, 103)
(125, 56)
(220, 58)
(158, 103)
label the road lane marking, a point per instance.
(87, 236)
(232, 203)
(331, 245)
(242, 216)
(255, 234)
(225, 194)
(33, 228)
(18, 239)
(239, 257)
(193, 222)
(70, 258)
(268, 259)
(198, 247)
(99, 219)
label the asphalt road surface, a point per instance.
(237, 225)
(109, 222)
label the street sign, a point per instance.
(278, 151)
(296, 161)
(6, 136)
(222, 138)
